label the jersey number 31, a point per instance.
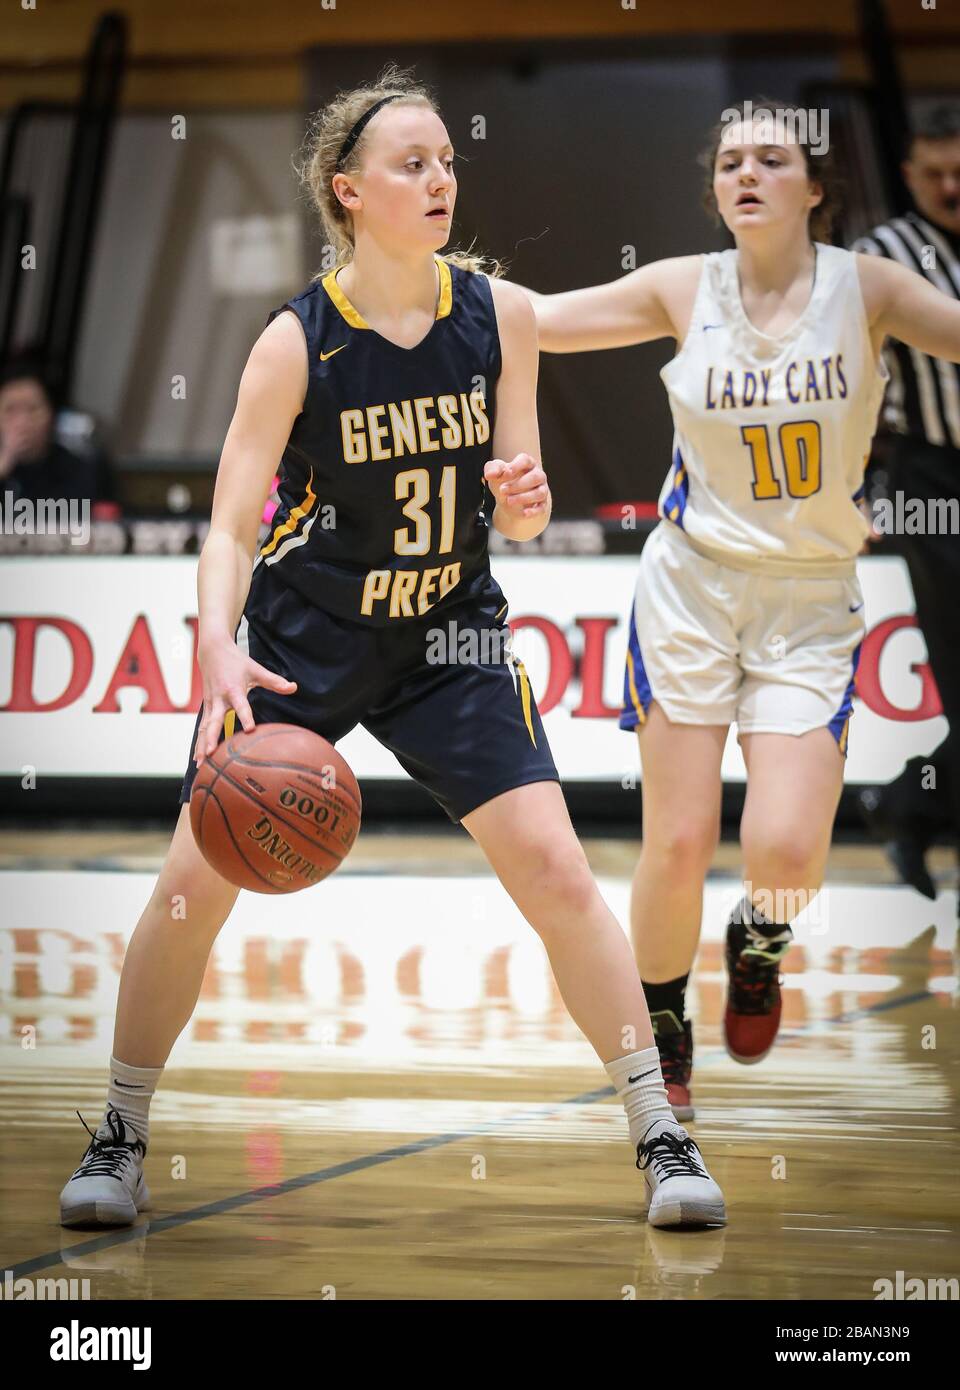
(417, 482)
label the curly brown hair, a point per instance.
(823, 173)
(327, 130)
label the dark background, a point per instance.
(590, 147)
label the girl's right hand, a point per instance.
(228, 673)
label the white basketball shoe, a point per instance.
(108, 1189)
(680, 1190)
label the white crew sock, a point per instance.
(131, 1091)
(644, 1096)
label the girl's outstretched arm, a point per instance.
(651, 302)
(903, 304)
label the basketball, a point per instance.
(275, 810)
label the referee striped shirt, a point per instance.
(923, 397)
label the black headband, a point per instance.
(359, 128)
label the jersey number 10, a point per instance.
(800, 451)
(417, 481)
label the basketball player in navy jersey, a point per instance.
(747, 606)
(394, 387)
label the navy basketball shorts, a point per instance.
(443, 693)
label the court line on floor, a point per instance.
(355, 1165)
(882, 1006)
(259, 1194)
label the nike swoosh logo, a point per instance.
(325, 355)
(632, 1079)
(135, 1086)
(855, 606)
(708, 326)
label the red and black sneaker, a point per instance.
(752, 1016)
(675, 1044)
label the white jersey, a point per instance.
(772, 434)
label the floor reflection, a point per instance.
(400, 969)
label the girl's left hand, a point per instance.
(521, 485)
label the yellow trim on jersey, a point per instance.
(445, 299)
(230, 723)
(525, 699)
(356, 320)
(634, 693)
(352, 316)
(844, 734)
(286, 527)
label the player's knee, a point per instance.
(577, 891)
(201, 907)
(558, 874)
(785, 854)
(684, 847)
(188, 890)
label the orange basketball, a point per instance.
(275, 810)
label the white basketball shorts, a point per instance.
(717, 645)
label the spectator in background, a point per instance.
(33, 464)
(923, 411)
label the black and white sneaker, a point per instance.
(108, 1189)
(681, 1192)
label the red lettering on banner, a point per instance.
(868, 675)
(560, 660)
(138, 666)
(24, 652)
(591, 704)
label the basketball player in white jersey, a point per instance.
(747, 606)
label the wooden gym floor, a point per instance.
(380, 1094)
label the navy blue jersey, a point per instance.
(381, 513)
